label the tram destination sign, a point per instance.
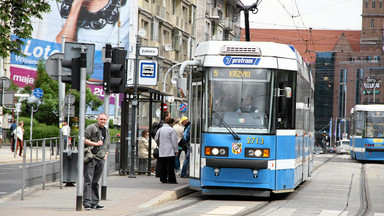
(237, 73)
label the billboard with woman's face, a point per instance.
(83, 21)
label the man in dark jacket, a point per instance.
(97, 142)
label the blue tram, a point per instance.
(367, 125)
(252, 118)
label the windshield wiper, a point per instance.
(234, 134)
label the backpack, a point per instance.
(154, 128)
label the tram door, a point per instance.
(195, 104)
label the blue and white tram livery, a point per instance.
(367, 125)
(252, 118)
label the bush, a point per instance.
(41, 130)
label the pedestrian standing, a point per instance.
(96, 152)
(179, 131)
(12, 134)
(19, 137)
(166, 139)
(187, 148)
(66, 133)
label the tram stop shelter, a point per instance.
(149, 102)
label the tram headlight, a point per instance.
(257, 153)
(223, 151)
(215, 151)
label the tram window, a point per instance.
(241, 97)
(284, 106)
(374, 124)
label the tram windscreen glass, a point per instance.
(241, 97)
(374, 124)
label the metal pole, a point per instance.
(61, 115)
(30, 129)
(134, 116)
(80, 162)
(108, 58)
(246, 16)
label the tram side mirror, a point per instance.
(286, 92)
(182, 87)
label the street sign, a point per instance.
(149, 51)
(148, 72)
(130, 71)
(165, 107)
(69, 99)
(9, 98)
(37, 92)
(51, 66)
(73, 50)
(70, 110)
(183, 107)
(5, 83)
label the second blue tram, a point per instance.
(367, 125)
(252, 118)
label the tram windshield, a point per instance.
(241, 97)
(374, 124)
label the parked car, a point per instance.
(317, 150)
(331, 149)
(342, 147)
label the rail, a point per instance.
(41, 160)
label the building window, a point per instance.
(372, 23)
(373, 3)
(381, 4)
(366, 3)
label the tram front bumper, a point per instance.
(236, 163)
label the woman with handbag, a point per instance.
(166, 139)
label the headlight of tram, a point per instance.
(257, 153)
(216, 151)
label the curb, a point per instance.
(168, 196)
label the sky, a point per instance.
(305, 14)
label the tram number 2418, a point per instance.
(255, 140)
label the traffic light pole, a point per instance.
(108, 50)
(80, 162)
(134, 111)
(61, 114)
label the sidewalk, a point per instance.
(125, 196)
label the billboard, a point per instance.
(95, 22)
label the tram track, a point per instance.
(365, 206)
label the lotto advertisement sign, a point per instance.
(91, 23)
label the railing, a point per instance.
(41, 160)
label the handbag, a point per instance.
(156, 153)
(88, 155)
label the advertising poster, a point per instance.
(83, 21)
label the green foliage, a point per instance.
(40, 130)
(15, 18)
(48, 111)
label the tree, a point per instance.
(15, 18)
(49, 110)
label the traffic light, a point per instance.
(114, 72)
(74, 79)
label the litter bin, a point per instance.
(70, 166)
